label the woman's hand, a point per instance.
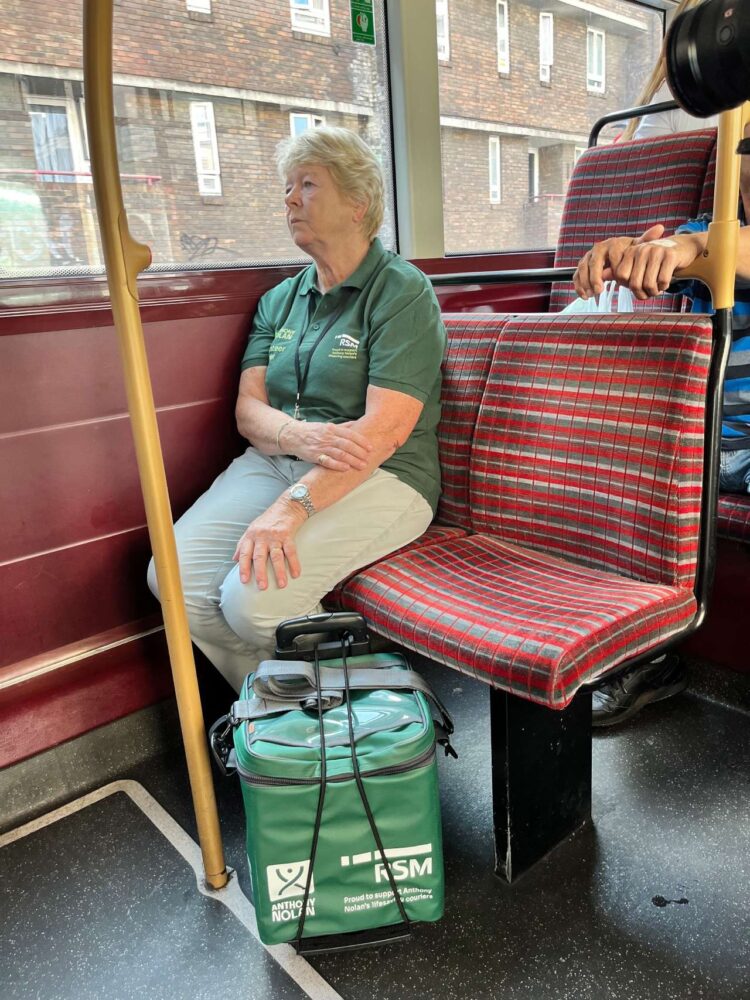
(645, 264)
(339, 447)
(271, 536)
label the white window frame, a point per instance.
(595, 75)
(311, 121)
(546, 45)
(313, 17)
(199, 6)
(444, 35)
(76, 130)
(495, 167)
(503, 36)
(209, 181)
(534, 187)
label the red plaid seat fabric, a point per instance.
(471, 342)
(523, 621)
(622, 189)
(585, 486)
(734, 517)
(706, 205)
(589, 444)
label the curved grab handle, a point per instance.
(335, 623)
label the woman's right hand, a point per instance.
(340, 446)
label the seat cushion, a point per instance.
(734, 517)
(435, 533)
(528, 623)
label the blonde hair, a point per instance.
(657, 77)
(354, 167)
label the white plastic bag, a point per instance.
(605, 302)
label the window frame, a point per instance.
(313, 120)
(596, 82)
(444, 50)
(495, 162)
(76, 124)
(533, 173)
(546, 42)
(198, 6)
(503, 58)
(306, 20)
(203, 175)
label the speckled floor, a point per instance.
(654, 902)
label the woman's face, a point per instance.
(317, 213)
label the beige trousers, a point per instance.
(233, 623)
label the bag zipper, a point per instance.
(259, 779)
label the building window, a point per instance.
(443, 33)
(495, 184)
(206, 148)
(595, 60)
(503, 37)
(546, 46)
(299, 123)
(59, 138)
(199, 6)
(533, 174)
(311, 16)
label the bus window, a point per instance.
(518, 97)
(198, 113)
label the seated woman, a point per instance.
(339, 399)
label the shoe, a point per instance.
(618, 699)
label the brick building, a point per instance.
(204, 91)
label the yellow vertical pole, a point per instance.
(718, 265)
(125, 259)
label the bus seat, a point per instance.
(622, 189)
(585, 474)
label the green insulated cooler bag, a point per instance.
(345, 849)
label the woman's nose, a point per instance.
(292, 196)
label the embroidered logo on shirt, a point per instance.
(346, 346)
(279, 341)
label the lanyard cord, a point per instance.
(302, 375)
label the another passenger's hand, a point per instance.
(605, 260)
(343, 446)
(271, 536)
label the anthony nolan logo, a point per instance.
(286, 887)
(345, 346)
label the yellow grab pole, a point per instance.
(718, 264)
(125, 259)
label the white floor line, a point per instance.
(296, 967)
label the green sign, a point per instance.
(363, 22)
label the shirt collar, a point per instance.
(358, 279)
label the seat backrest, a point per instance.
(589, 442)
(706, 204)
(471, 342)
(622, 189)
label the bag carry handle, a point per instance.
(341, 626)
(301, 684)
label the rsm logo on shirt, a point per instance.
(345, 346)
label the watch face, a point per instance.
(298, 491)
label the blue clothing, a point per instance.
(735, 431)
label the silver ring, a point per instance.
(322, 459)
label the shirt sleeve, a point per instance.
(262, 332)
(407, 336)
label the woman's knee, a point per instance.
(153, 583)
(254, 614)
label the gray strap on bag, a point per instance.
(281, 685)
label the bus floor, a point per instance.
(99, 899)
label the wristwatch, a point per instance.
(301, 494)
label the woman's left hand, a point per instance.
(270, 536)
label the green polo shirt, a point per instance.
(381, 326)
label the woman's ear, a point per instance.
(360, 210)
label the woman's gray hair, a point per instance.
(354, 167)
